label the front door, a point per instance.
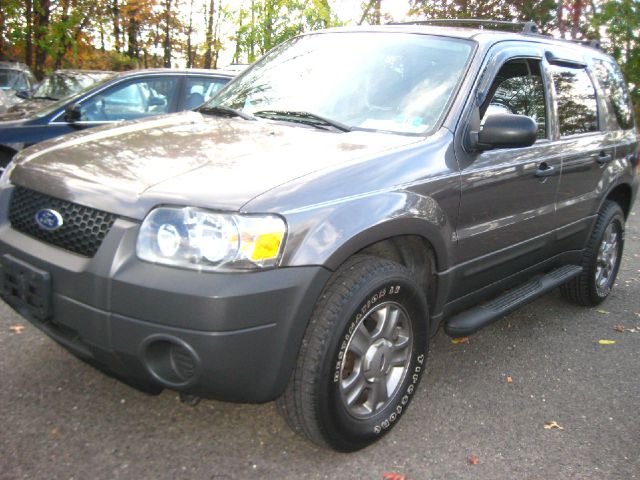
(507, 206)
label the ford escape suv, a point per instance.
(302, 235)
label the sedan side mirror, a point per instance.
(73, 113)
(506, 130)
(24, 94)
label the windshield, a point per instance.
(12, 80)
(391, 82)
(62, 84)
(68, 100)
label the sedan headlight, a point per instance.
(204, 240)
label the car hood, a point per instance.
(187, 159)
(25, 108)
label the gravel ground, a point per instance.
(61, 419)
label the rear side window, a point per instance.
(616, 93)
(576, 100)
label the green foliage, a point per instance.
(620, 19)
(265, 24)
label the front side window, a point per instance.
(518, 89)
(202, 89)
(392, 82)
(616, 93)
(141, 98)
(576, 101)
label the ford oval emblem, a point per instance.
(49, 219)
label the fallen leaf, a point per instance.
(55, 432)
(473, 460)
(509, 379)
(17, 328)
(460, 340)
(553, 425)
(619, 328)
(393, 476)
(606, 342)
(604, 312)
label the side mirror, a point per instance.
(506, 130)
(24, 94)
(73, 113)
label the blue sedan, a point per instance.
(125, 96)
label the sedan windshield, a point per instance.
(392, 82)
(11, 79)
(63, 84)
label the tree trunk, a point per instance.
(189, 33)
(133, 50)
(41, 13)
(209, 37)
(167, 34)
(2, 27)
(62, 47)
(115, 12)
(576, 15)
(560, 19)
(28, 44)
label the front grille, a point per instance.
(82, 230)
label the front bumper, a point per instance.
(233, 337)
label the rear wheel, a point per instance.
(361, 358)
(601, 259)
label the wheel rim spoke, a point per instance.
(353, 387)
(377, 394)
(360, 341)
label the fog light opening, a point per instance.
(170, 361)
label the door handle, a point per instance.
(604, 158)
(544, 170)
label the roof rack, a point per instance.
(522, 27)
(588, 43)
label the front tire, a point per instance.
(361, 358)
(600, 260)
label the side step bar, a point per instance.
(472, 320)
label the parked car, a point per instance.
(14, 77)
(304, 233)
(57, 86)
(127, 96)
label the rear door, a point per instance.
(588, 151)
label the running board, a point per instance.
(472, 320)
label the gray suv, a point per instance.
(303, 234)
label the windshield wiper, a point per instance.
(306, 118)
(225, 111)
(45, 97)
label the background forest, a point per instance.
(124, 34)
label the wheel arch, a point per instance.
(622, 195)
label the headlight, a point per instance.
(204, 240)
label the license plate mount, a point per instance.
(25, 287)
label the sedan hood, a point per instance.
(187, 159)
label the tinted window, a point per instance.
(576, 101)
(518, 88)
(616, 93)
(202, 89)
(141, 98)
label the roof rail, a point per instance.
(588, 43)
(522, 27)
